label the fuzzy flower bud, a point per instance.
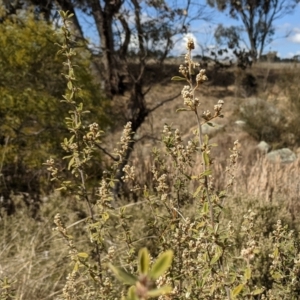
(190, 44)
(201, 77)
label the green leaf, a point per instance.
(5, 287)
(210, 124)
(71, 139)
(231, 278)
(206, 139)
(206, 173)
(105, 216)
(205, 208)
(216, 229)
(144, 261)
(76, 267)
(204, 277)
(257, 292)
(198, 190)
(201, 224)
(215, 259)
(131, 295)
(178, 78)
(71, 162)
(70, 85)
(247, 274)
(83, 255)
(62, 13)
(206, 158)
(162, 264)
(222, 194)
(146, 193)
(61, 188)
(160, 291)
(123, 276)
(111, 184)
(78, 125)
(277, 275)
(67, 97)
(237, 290)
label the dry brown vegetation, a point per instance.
(256, 176)
(272, 189)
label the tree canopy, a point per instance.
(31, 85)
(257, 17)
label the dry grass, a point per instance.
(256, 176)
(39, 263)
(31, 254)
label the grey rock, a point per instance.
(284, 155)
(240, 123)
(263, 147)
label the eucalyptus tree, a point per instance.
(134, 36)
(257, 18)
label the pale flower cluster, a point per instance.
(125, 140)
(188, 97)
(201, 76)
(93, 134)
(129, 173)
(181, 153)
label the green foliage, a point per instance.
(141, 288)
(31, 118)
(229, 36)
(263, 120)
(5, 289)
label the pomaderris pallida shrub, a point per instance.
(175, 242)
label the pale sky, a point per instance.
(286, 46)
(203, 32)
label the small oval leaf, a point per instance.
(161, 265)
(160, 291)
(206, 158)
(123, 276)
(247, 274)
(83, 255)
(236, 291)
(70, 85)
(178, 78)
(131, 295)
(215, 259)
(144, 261)
(76, 267)
(257, 292)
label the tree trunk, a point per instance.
(104, 23)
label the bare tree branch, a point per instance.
(163, 102)
(106, 152)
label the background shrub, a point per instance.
(31, 117)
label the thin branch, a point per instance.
(107, 153)
(163, 102)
